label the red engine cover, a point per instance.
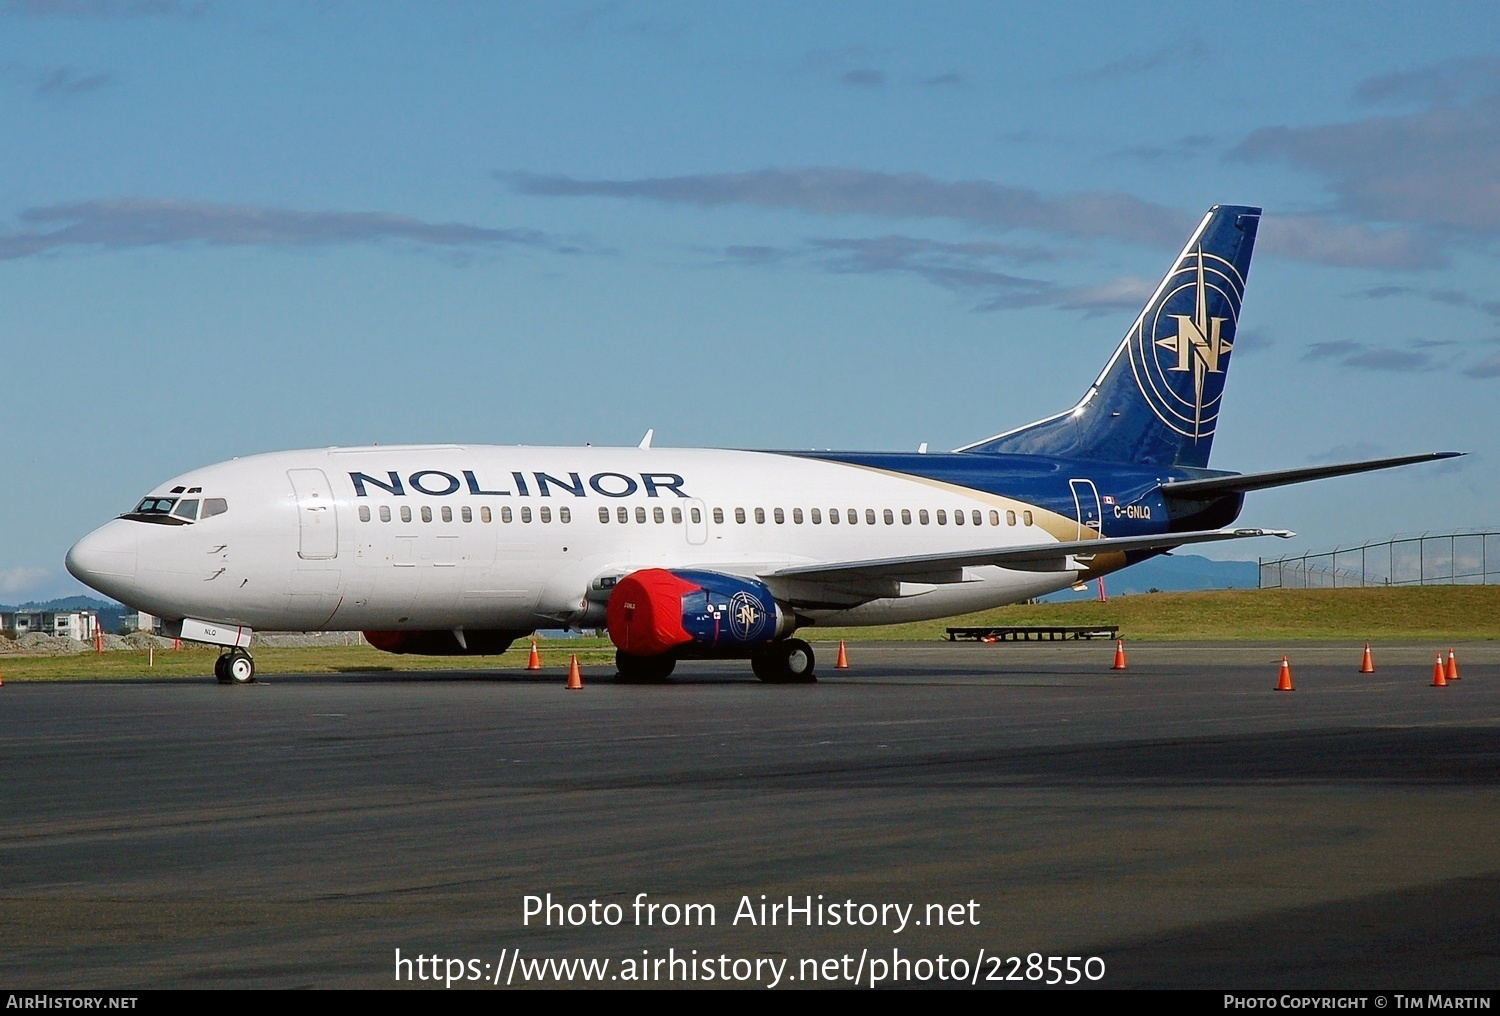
(644, 612)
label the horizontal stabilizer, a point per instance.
(1036, 557)
(1240, 483)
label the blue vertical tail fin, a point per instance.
(1157, 400)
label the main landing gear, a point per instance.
(789, 661)
(235, 667)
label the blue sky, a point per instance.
(228, 228)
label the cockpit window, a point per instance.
(155, 506)
(177, 511)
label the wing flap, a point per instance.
(1035, 557)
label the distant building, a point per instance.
(73, 624)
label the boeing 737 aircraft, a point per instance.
(684, 553)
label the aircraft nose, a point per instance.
(106, 558)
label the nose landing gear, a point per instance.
(235, 667)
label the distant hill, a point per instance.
(1171, 573)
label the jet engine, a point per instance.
(655, 611)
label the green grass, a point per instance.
(1457, 613)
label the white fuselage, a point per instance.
(517, 538)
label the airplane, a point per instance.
(702, 553)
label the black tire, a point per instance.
(221, 673)
(790, 661)
(240, 668)
(643, 669)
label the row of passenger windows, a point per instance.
(851, 516)
(466, 514)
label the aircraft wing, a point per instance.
(1034, 557)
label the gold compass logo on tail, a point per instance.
(1181, 347)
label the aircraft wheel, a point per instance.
(240, 668)
(787, 662)
(221, 670)
(643, 669)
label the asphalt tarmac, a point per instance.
(978, 813)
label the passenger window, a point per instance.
(852, 516)
(739, 516)
(564, 515)
(833, 516)
(640, 515)
(870, 516)
(506, 515)
(447, 514)
(426, 513)
(906, 516)
(603, 514)
(364, 513)
(718, 516)
(468, 514)
(942, 517)
(817, 517)
(1026, 517)
(958, 517)
(623, 514)
(760, 516)
(187, 509)
(978, 519)
(796, 516)
(1010, 518)
(677, 515)
(779, 516)
(213, 506)
(406, 513)
(385, 513)
(694, 514)
(658, 516)
(484, 514)
(994, 518)
(890, 517)
(545, 514)
(526, 514)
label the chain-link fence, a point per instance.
(1428, 560)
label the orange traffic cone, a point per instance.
(1439, 677)
(99, 642)
(1119, 655)
(535, 663)
(1285, 683)
(843, 661)
(1452, 674)
(1368, 666)
(575, 679)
